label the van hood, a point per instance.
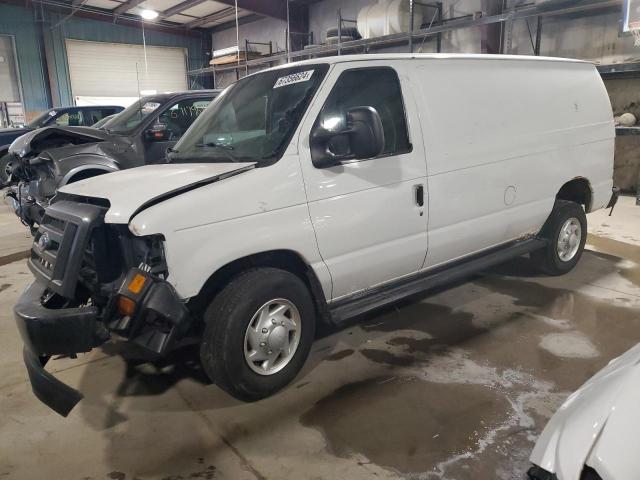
(597, 425)
(131, 191)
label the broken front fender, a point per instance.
(32, 143)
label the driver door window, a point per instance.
(72, 118)
(372, 87)
(173, 123)
(179, 117)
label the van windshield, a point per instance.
(253, 119)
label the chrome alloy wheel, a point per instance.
(569, 239)
(272, 336)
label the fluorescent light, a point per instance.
(225, 51)
(148, 14)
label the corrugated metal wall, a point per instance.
(20, 23)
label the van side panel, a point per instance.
(502, 137)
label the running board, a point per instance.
(362, 302)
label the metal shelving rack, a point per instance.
(437, 28)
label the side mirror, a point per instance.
(157, 133)
(363, 137)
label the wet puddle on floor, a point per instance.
(469, 392)
(405, 423)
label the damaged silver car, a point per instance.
(51, 157)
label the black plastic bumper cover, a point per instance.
(47, 332)
(58, 396)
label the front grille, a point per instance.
(58, 250)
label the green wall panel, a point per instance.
(20, 23)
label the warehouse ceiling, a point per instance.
(189, 14)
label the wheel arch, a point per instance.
(288, 260)
(577, 190)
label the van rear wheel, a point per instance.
(259, 330)
(566, 231)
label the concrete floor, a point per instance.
(456, 385)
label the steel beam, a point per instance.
(232, 24)
(129, 4)
(181, 7)
(276, 9)
(225, 12)
(490, 34)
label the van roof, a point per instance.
(427, 56)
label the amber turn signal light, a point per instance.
(126, 306)
(136, 284)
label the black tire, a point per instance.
(547, 259)
(5, 161)
(226, 321)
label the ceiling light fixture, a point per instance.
(149, 14)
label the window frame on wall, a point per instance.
(14, 51)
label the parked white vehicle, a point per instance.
(317, 191)
(593, 434)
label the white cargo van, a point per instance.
(314, 192)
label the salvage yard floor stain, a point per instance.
(339, 355)
(388, 358)
(618, 251)
(406, 424)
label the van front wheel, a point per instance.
(259, 330)
(566, 231)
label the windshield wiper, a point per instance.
(222, 146)
(225, 146)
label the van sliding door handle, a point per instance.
(419, 189)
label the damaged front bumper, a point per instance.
(46, 332)
(157, 322)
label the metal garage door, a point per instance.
(118, 73)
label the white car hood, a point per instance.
(597, 425)
(129, 191)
